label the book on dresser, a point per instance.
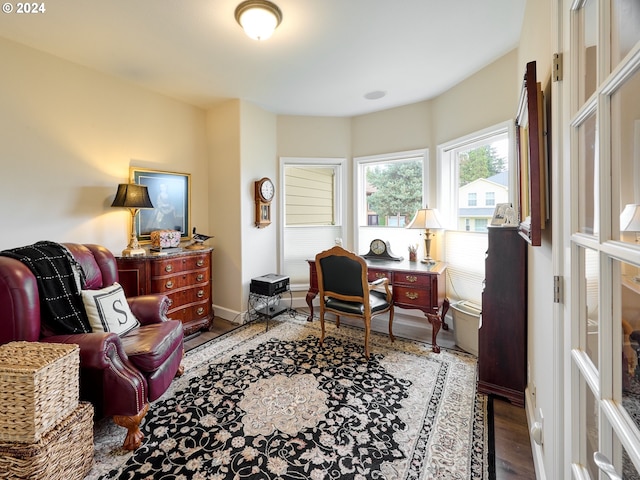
(183, 275)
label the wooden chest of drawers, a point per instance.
(185, 277)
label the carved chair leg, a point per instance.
(132, 424)
(181, 367)
(367, 331)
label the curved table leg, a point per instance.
(436, 323)
(445, 309)
(309, 298)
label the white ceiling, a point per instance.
(322, 60)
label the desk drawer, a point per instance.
(412, 297)
(373, 275)
(412, 279)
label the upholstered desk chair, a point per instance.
(344, 290)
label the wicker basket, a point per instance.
(39, 386)
(64, 453)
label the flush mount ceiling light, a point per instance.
(258, 18)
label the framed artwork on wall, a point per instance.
(170, 193)
(531, 153)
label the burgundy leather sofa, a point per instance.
(118, 375)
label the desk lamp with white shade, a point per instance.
(427, 219)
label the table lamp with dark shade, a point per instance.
(134, 197)
(426, 218)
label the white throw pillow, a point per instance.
(108, 310)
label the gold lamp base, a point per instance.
(133, 249)
(427, 248)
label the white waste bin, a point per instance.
(466, 321)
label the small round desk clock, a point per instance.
(381, 250)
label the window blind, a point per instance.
(465, 254)
(302, 244)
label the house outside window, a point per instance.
(475, 173)
(493, 189)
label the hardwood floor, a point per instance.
(513, 458)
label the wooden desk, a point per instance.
(415, 286)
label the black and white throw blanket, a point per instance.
(61, 307)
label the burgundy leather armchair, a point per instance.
(118, 375)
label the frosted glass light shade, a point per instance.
(258, 18)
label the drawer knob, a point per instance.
(168, 268)
(200, 262)
(200, 310)
(169, 284)
(412, 295)
(411, 278)
(170, 302)
(200, 293)
(200, 277)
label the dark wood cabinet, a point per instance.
(185, 277)
(502, 338)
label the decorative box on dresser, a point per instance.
(502, 338)
(184, 276)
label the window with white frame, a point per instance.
(390, 188)
(312, 208)
(471, 169)
(490, 199)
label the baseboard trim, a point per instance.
(536, 450)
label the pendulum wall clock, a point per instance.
(264, 192)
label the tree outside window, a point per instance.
(394, 191)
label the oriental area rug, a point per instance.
(260, 403)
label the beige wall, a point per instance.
(258, 160)
(224, 202)
(393, 130)
(487, 98)
(68, 136)
(535, 45)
